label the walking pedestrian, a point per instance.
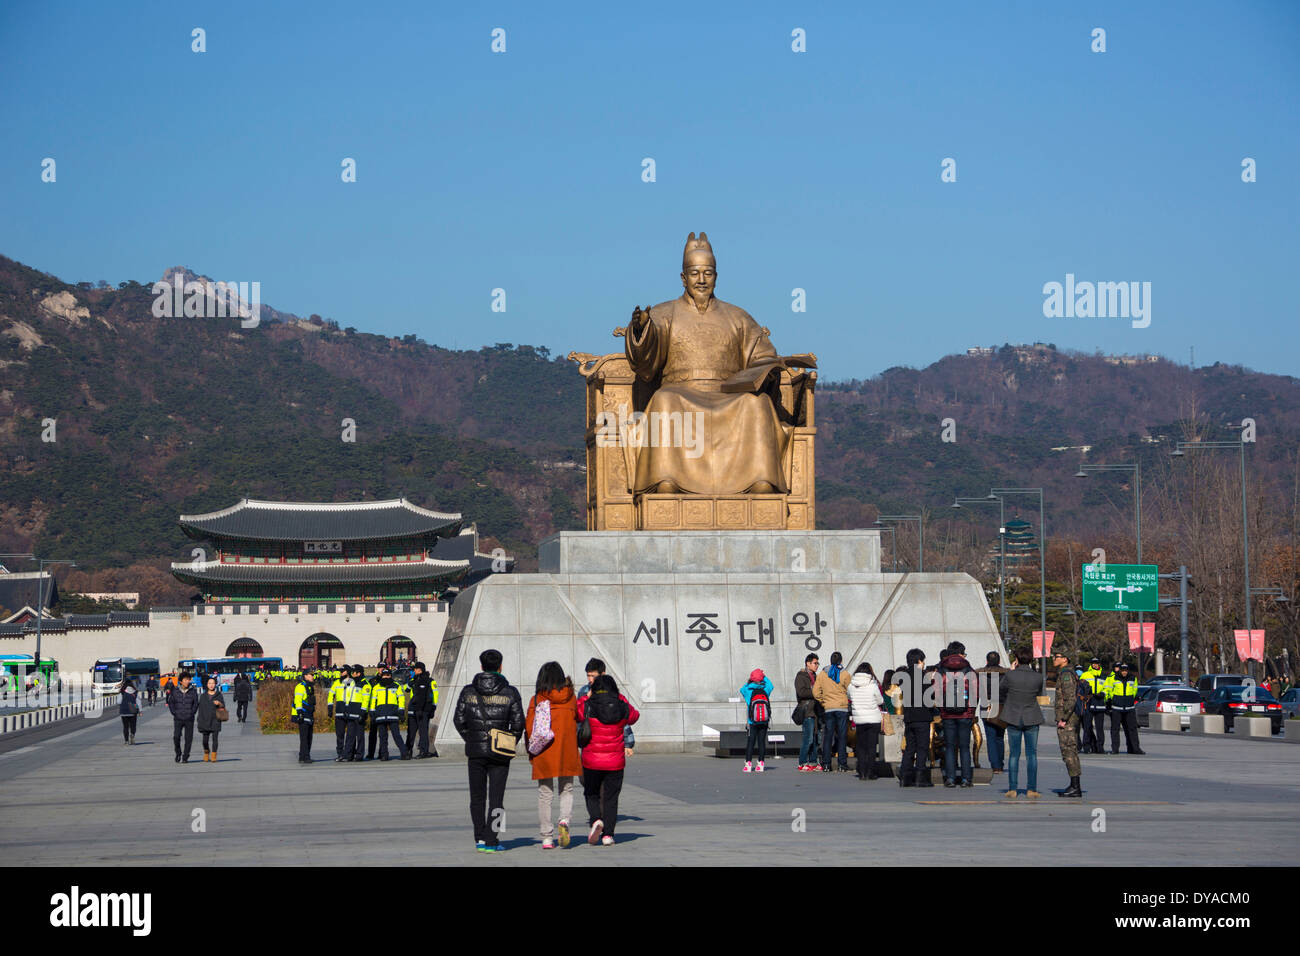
(489, 718)
(183, 702)
(831, 690)
(128, 708)
(757, 694)
(304, 712)
(995, 727)
(551, 729)
(865, 700)
(1020, 710)
(1067, 722)
(386, 706)
(805, 713)
(595, 667)
(421, 705)
(212, 712)
(603, 758)
(243, 691)
(958, 698)
(914, 680)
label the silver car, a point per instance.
(1167, 699)
(1290, 700)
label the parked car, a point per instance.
(1244, 701)
(1177, 699)
(1165, 679)
(1290, 700)
(1209, 683)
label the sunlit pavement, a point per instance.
(84, 798)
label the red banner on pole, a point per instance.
(1147, 639)
(1039, 650)
(1250, 644)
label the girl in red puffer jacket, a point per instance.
(602, 759)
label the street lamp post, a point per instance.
(40, 604)
(1042, 561)
(920, 534)
(1136, 469)
(1245, 532)
(1279, 597)
(893, 544)
(1002, 556)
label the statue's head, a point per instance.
(699, 268)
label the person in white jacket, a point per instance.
(865, 700)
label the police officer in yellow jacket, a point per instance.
(356, 707)
(1094, 721)
(333, 705)
(386, 707)
(1123, 711)
(304, 713)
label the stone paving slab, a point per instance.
(84, 798)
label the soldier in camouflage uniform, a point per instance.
(1067, 722)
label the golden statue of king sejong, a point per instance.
(730, 429)
(695, 344)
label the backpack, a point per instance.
(1082, 697)
(760, 708)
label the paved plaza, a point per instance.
(73, 794)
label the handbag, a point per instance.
(501, 743)
(222, 714)
(886, 724)
(542, 734)
(584, 728)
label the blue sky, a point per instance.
(817, 170)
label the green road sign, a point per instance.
(1121, 587)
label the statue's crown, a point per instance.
(697, 245)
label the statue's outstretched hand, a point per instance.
(639, 319)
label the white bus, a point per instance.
(110, 672)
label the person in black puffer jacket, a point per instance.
(918, 691)
(243, 694)
(488, 703)
(183, 702)
(420, 708)
(128, 708)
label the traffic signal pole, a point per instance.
(1181, 601)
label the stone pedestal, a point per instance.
(1292, 730)
(1206, 724)
(682, 618)
(1252, 726)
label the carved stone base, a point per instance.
(712, 513)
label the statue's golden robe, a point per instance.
(693, 353)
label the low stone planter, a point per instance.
(1206, 724)
(1292, 730)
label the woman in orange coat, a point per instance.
(553, 753)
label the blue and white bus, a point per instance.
(225, 668)
(109, 673)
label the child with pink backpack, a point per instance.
(758, 709)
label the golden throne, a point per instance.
(613, 391)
